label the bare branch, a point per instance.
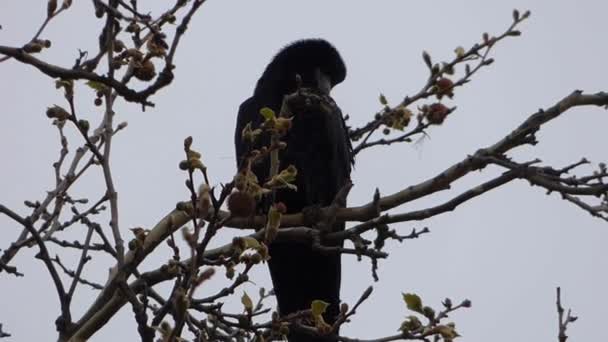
(563, 321)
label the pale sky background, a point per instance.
(506, 251)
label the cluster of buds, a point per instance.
(125, 56)
(443, 87)
(144, 70)
(143, 67)
(397, 118)
(274, 221)
(284, 179)
(435, 113)
(133, 27)
(249, 134)
(172, 268)
(202, 276)
(246, 182)
(140, 237)
(189, 236)
(157, 45)
(248, 250)
(317, 309)
(242, 201)
(36, 45)
(193, 158)
(279, 125)
(413, 325)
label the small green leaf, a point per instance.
(249, 134)
(192, 154)
(98, 86)
(428, 312)
(267, 113)
(64, 83)
(383, 100)
(250, 242)
(247, 302)
(413, 302)
(410, 324)
(448, 332)
(57, 112)
(318, 307)
(272, 224)
(84, 124)
(284, 179)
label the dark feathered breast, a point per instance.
(318, 145)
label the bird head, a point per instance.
(310, 63)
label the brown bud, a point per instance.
(437, 113)
(205, 275)
(132, 27)
(135, 54)
(445, 87)
(84, 125)
(145, 71)
(427, 59)
(256, 258)
(241, 204)
(32, 47)
(122, 125)
(515, 15)
(57, 112)
(230, 272)
(184, 165)
(119, 45)
(51, 6)
(188, 143)
(99, 12)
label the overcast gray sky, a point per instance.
(506, 251)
